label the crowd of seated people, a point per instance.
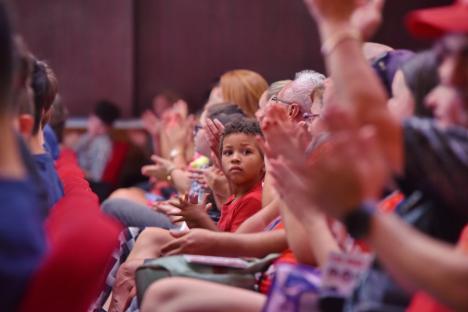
(347, 190)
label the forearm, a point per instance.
(259, 221)
(256, 245)
(202, 221)
(428, 264)
(311, 242)
(180, 180)
(359, 89)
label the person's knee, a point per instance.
(162, 293)
(120, 193)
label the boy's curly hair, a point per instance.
(246, 126)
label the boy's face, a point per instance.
(241, 158)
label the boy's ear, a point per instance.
(26, 124)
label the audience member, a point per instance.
(94, 148)
(21, 231)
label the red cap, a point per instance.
(435, 22)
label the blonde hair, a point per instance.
(243, 88)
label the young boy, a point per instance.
(243, 165)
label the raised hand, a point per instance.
(350, 170)
(151, 123)
(214, 130)
(282, 137)
(192, 213)
(332, 10)
(154, 171)
(368, 17)
(164, 163)
(176, 130)
(181, 108)
(169, 209)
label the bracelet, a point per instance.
(331, 43)
(169, 173)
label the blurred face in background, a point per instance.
(449, 100)
(161, 104)
(95, 126)
(202, 145)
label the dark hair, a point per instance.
(24, 63)
(387, 64)
(246, 126)
(421, 77)
(170, 96)
(58, 118)
(45, 87)
(107, 112)
(225, 113)
(6, 58)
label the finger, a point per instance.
(156, 159)
(176, 220)
(219, 126)
(148, 170)
(265, 148)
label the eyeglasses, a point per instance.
(309, 117)
(197, 128)
(278, 100)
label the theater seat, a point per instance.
(81, 241)
(116, 163)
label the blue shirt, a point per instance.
(46, 170)
(22, 240)
(51, 142)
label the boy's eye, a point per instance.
(248, 151)
(227, 153)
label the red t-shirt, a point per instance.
(235, 212)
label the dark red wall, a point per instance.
(129, 50)
(88, 43)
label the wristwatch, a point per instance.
(358, 222)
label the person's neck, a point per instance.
(241, 190)
(11, 164)
(36, 143)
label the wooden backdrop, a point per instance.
(127, 51)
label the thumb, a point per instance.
(177, 233)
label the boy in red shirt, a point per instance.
(242, 163)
